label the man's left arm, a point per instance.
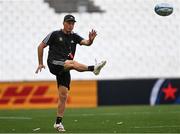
(92, 35)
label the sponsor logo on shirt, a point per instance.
(60, 39)
(72, 41)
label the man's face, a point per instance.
(68, 26)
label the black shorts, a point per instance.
(63, 77)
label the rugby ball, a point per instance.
(163, 9)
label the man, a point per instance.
(62, 47)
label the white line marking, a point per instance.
(158, 127)
(127, 113)
(111, 114)
(14, 118)
(36, 129)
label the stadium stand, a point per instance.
(70, 6)
(135, 41)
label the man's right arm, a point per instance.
(40, 56)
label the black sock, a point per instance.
(58, 120)
(90, 68)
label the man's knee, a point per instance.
(69, 64)
(63, 95)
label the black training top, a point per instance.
(61, 46)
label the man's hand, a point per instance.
(40, 68)
(92, 35)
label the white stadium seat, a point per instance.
(136, 42)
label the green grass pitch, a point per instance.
(113, 119)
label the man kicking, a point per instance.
(62, 46)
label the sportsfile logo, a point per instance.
(26, 94)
